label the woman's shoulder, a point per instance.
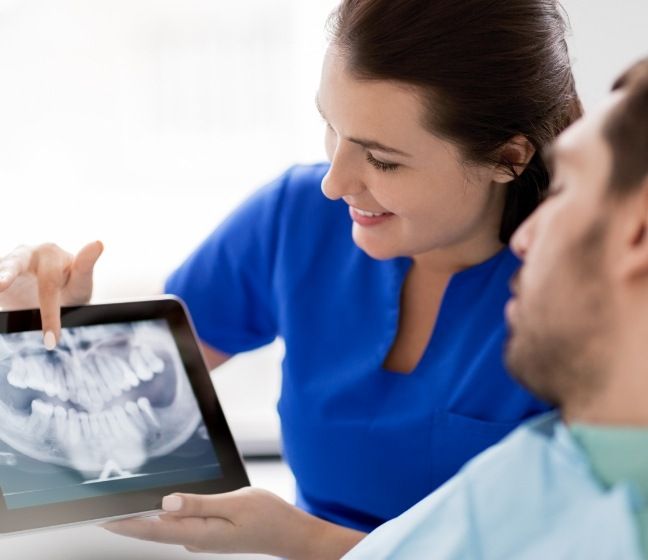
(295, 191)
(301, 176)
(298, 180)
(298, 201)
(302, 185)
(314, 233)
(292, 199)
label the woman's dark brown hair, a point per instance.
(488, 70)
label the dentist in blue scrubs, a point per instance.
(386, 270)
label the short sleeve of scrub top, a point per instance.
(364, 443)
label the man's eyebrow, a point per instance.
(367, 144)
(557, 152)
(319, 108)
(549, 158)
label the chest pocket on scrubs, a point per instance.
(457, 438)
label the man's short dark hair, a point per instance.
(626, 130)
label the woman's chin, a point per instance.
(380, 252)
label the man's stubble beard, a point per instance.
(559, 353)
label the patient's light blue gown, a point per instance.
(532, 497)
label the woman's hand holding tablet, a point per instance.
(247, 520)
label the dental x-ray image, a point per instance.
(110, 404)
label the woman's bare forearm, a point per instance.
(321, 540)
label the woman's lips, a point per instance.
(366, 218)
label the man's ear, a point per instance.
(633, 263)
(516, 154)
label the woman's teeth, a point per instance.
(370, 214)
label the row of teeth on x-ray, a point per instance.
(127, 421)
(101, 378)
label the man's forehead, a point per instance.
(584, 141)
(573, 145)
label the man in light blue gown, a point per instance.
(570, 484)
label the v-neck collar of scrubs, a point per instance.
(401, 266)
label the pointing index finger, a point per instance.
(51, 266)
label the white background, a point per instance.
(143, 122)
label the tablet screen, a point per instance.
(109, 410)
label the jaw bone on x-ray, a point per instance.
(105, 401)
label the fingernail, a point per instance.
(171, 503)
(49, 340)
(4, 276)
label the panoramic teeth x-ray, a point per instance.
(105, 401)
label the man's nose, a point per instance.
(523, 236)
(342, 178)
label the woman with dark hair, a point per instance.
(389, 296)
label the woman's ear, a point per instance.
(514, 155)
(633, 261)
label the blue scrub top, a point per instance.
(364, 443)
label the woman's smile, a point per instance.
(366, 218)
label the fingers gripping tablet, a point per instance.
(118, 414)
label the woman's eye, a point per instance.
(381, 165)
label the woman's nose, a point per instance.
(342, 178)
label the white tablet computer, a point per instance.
(120, 414)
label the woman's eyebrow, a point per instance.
(367, 144)
(373, 145)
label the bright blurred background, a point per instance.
(144, 122)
